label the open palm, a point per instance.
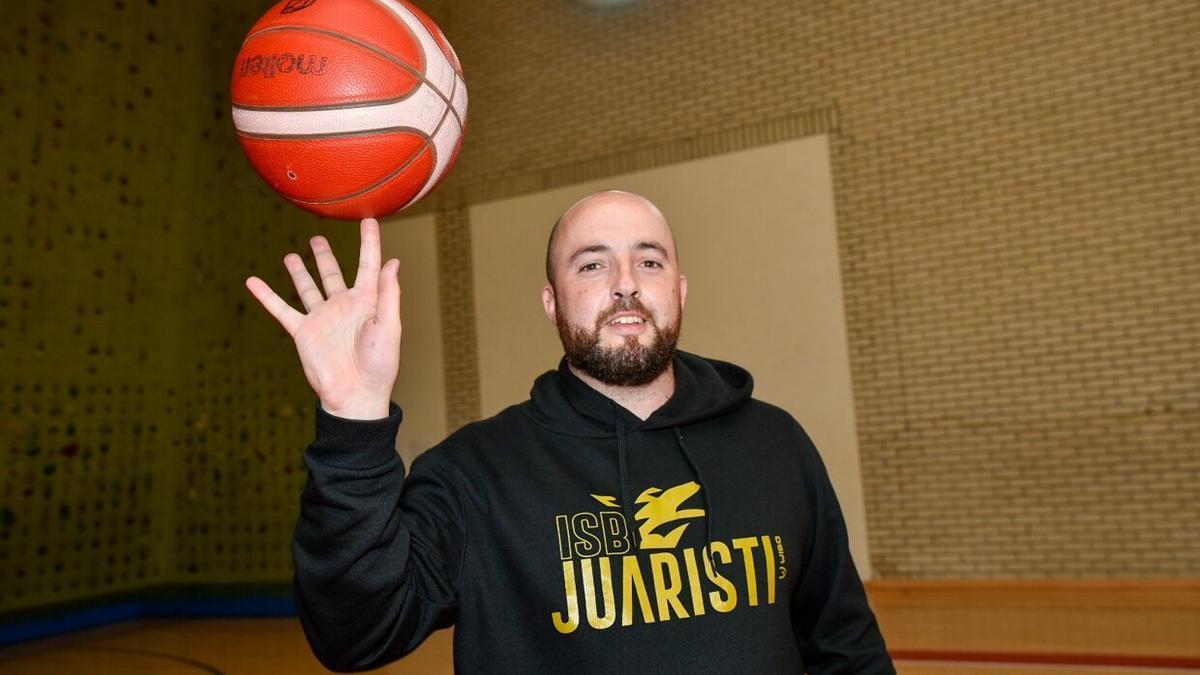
(349, 339)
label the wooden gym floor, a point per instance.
(934, 628)
(253, 646)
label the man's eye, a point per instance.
(589, 267)
(652, 263)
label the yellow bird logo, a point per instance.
(662, 508)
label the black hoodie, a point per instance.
(514, 530)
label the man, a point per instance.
(641, 513)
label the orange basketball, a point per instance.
(349, 108)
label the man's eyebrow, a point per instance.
(590, 248)
(605, 248)
(652, 246)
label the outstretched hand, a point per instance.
(349, 339)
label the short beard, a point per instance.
(629, 365)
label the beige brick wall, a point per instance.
(456, 288)
(1017, 194)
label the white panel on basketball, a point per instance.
(423, 110)
(444, 140)
(459, 101)
(438, 70)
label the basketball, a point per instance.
(349, 108)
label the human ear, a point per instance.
(548, 303)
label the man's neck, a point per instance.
(641, 400)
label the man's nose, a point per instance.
(625, 285)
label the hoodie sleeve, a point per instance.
(377, 555)
(834, 627)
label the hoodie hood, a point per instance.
(704, 388)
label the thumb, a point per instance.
(387, 310)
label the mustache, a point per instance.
(624, 305)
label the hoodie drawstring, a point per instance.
(626, 502)
(708, 510)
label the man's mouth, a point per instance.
(627, 324)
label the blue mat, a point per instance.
(183, 605)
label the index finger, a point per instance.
(287, 317)
(368, 255)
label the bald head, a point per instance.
(592, 205)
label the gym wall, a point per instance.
(152, 412)
(1016, 198)
(1016, 193)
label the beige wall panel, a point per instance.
(420, 389)
(1150, 617)
(758, 244)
